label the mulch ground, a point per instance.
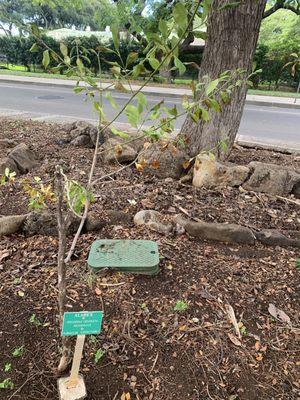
(150, 350)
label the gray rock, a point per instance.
(271, 178)
(211, 173)
(219, 232)
(154, 220)
(8, 163)
(296, 190)
(163, 160)
(114, 151)
(41, 223)
(11, 224)
(82, 141)
(7, 143)
(272, 237)
(23, 157)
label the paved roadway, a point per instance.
(260, 124)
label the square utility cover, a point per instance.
(128, 255)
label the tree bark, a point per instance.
(231, 42)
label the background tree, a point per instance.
(232, 34)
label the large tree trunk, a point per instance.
(231, 42)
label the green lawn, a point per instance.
(21, 71)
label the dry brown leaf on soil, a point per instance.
(232, 317)
(278, 314)
(234, 339)
(4, 254)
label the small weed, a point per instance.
(6, 384)
(298, 263)
(92, 340)
(7, 367)
(143, 306)
(34, 320)
(18, 351)
(180, 305)
(243, 330)
(98, 355)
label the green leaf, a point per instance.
(111, 100)
(132, 114)
(46, 59)
(115, 35)
(142, 102)
(18, 351)
(204, 115)
(225, 97)
(154, 62)
(131, 58)
(121, 134)
(98, 355)
(34, 48)
(63, 49)
(7, 367)
(211, 86)
(180, 305)
(35, 30)
(100, 110)
(178, 64)
(79, 64)
(6, 384)
(180, 15)
(214, 105)
(115, 70)
(298, 263)
(79, 89)
(163, 27)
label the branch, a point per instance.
(281, 4)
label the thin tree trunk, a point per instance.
(231, 42)
(61, 267)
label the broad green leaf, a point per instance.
(115, 35)
(131, 58)
(154, 62)
(163, 27)
(116, 132)
(111, 100)
(64, 51)
(178, 64)
(46, 59)
(214, 105)
(34, 48)
(79, 64)
(180, 15)
(211, 86)
(132, 114)
(225, 97)
(142, 102)
(204, 115)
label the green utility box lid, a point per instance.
(131, 256)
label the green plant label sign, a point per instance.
(82, 323)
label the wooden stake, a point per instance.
(73, 381)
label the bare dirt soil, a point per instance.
(150, 350)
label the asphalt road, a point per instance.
(260, 124)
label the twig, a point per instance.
(153, 366)
(111, 284)
(297, 203)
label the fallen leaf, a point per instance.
(278, 314)
(234, 339)
(98, 291)
(259, 357)
(21, 293)
(4, 254)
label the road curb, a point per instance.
(171, 93)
